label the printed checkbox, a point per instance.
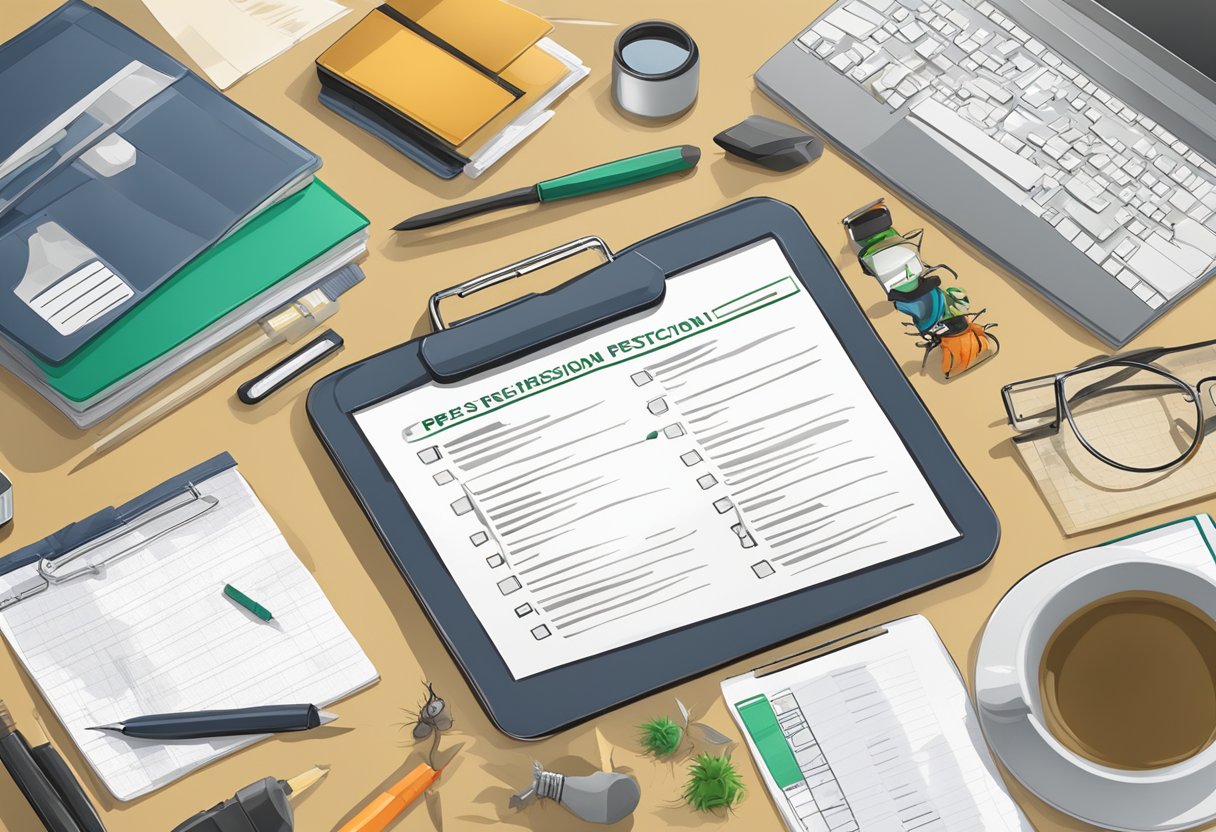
(690, 458)
(462, 506)
(522, 610)
(478, 538)
(657, 406)
(495, 561)
(763, 569)
(541, 632)
(429, 455)
(673, 431)
(508, 585)
(444, 477)
(723, 505)
(642, 378)
(745, 537)
(707, 481)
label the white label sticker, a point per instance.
(83, 296)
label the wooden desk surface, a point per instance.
(285, 463)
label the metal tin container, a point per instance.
(655, 69)
(6, 499)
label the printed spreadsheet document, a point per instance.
(711, 453)
(878, 736)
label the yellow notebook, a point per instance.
(491, 32)
(461, 69)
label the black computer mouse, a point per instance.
(770, 143)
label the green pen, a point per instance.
(247, 602)
(605, 177)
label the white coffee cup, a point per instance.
(1009, 693)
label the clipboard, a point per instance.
(630, 281)
(128, 606)
(63, 556)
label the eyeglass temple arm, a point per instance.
(1030, 434)
(1146, 356)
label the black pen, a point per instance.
(30, 779)
(196, 725)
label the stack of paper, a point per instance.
(229, 39)
(145, 219)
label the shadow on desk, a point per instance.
(34, 437)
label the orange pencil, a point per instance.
(385, 808)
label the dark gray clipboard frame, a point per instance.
(542, 704)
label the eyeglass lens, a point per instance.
(1138, 418)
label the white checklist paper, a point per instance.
(884, 737)
(154, 633)
(712, 453)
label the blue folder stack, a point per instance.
(118, 168)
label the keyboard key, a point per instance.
(1144, 292)
(1128, 278)
(1158, 270)
(842, 62)
(1083, 188)
(850, 23)
(1193, 234)
(941, 119)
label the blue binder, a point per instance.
(117, 167)
(632, 281)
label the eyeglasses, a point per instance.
(1136, 412)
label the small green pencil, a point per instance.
(247, 602)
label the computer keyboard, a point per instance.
(1119, 187)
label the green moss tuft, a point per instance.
(661, 736)
(713, 783)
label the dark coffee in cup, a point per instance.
(1129, 681)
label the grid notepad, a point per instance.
(153, 633)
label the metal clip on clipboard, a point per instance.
(80, 540)
(529, 264)
(623, 285)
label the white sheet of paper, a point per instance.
(714, 452)
(229, 39)
(885, 738)
(154, 633)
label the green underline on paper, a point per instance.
(590, 365)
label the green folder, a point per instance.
(274, 245)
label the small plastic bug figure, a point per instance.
(431, 720)
(941, 316)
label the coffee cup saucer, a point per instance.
(1173, 797)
